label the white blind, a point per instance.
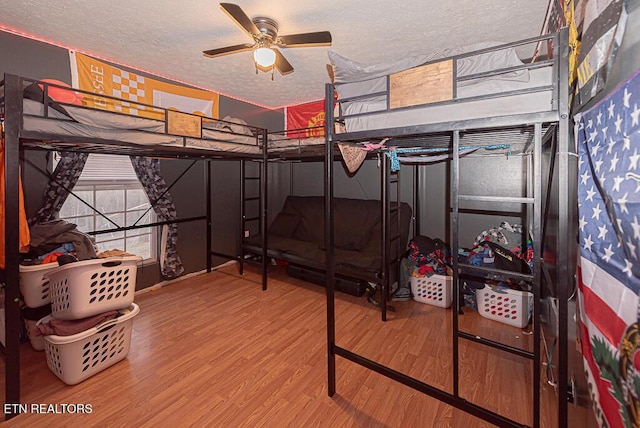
(105, 168)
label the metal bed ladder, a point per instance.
(251, 215)
(534, 205)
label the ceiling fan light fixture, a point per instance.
(264, 57)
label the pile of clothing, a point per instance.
(56, 239)
(425, 257)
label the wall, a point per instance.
(30, 58)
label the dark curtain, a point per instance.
(148, 172)
(64, 178)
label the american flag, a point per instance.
(608, 141)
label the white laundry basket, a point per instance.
(34, 286)
(512, 307)
(77, 357)
(90, 287)
(433, 290)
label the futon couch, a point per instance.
(296, 235)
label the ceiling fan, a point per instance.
(264, 32)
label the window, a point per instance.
(109, 183)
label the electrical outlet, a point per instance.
(246, 233)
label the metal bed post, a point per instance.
(328, 240)
(13, 111)
(565, 212)
(455, 190)
(209, 226)
(385, 205)
(243, 216)
(537, 260)
(263, 208)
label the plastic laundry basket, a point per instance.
(433, 290)
(512, 307)
(34, 286)
(77, 357)
(91, 287)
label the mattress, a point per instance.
(378, 117)
(100, 124)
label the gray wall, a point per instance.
(30, 58)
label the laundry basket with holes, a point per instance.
(512, 307)
(91, 287)
(433, 290)
(77, 357)
(34, 286)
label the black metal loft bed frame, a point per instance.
(17, 139)
(548, 126)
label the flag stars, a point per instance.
(582, 223)
(589, 123)
(623, 203)
(617, 181)
(588, 243)
(599, 118)
(627, 97)
(595, 149)
(592, 138)
(584, 177)
(627, 267)
(636, 227)
(611, 109)
(614, 162)
(598, 164)
(590, 194)
(632, 248)
(618, 124)
(602, 232)
(604, 132)
(633, 160)
(607, 254)
(626, 143)
(612, 143)
(634, 115)
(596, 212)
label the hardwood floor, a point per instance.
(216, 350)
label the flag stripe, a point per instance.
(610, 308)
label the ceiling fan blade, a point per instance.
(283, 66)
(237, 14)
(228, 50)
(320, 38)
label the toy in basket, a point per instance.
(433, 290)
(77, 357)
(512, 307)
(91, 287)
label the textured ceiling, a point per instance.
(167, 37)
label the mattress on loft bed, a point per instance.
(353, 79)
(100, 124)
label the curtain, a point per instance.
(148, 172)
(64, 178)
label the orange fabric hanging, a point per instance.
(22, 218)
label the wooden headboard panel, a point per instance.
(425, 84)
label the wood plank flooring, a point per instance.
(216, 350)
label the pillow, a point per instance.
(284, 225)
(60, 94)
(236, 125)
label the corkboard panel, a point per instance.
(426, 84)
(184, 124)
